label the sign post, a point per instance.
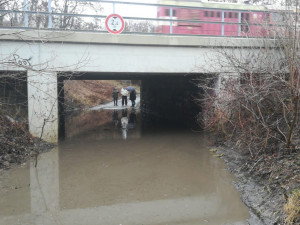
(114, 23)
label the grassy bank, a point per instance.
(88, 93)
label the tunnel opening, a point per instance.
(167, 101)
(14, 95)
(93, 110)
(170, 102)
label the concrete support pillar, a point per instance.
(43, 105)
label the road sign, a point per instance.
(114, 23)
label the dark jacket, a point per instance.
(132, 95)
(115, 93)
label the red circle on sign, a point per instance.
(113, 28)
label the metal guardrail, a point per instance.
(50, 14)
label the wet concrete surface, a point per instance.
(102, 177)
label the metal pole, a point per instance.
(223, 19)
(240, 25)
(25, 13)
(171, 22)
(114, 8)
(50, 14)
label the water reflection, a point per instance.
(132, 119)
(124, 123)
(119, 123)
(116, 117)
(97, 178)
(128, 123)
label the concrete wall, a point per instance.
(107, 58)
(96, 52)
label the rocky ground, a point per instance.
(265, 183)
(16, 144)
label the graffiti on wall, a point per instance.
(18, 60)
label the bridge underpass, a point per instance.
(166, 100)
(162, 178)
(164, 65)
(45, 54)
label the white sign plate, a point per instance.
(114, 23)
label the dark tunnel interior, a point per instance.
(167, 100)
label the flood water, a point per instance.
(103, 174)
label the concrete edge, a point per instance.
(130, 39)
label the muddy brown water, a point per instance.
(99, 177)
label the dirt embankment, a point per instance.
(266, 184)
(88, 93)
(16, 143)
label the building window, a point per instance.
(174, 12)
(167, 12)
(236, 15)
(206, 14)
(212, 14)
(219, 14)
(245, 28)
(245, 16)
(268, 17)
(277, 17)
(230, 15)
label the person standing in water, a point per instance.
(124, 94)
(115, 93)
(132, 97)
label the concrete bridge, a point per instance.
(49, 56)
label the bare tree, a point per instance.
(138, 26)
(74, 22)
(257, 100)
(64, 14)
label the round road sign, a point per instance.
(114, 23)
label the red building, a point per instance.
(216, 19)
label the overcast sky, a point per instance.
(133, 10)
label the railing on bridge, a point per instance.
(146, 18)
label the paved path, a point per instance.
(110, 105)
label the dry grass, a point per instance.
(292, 208)
(89, 92)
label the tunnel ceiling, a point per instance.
(121, 76)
